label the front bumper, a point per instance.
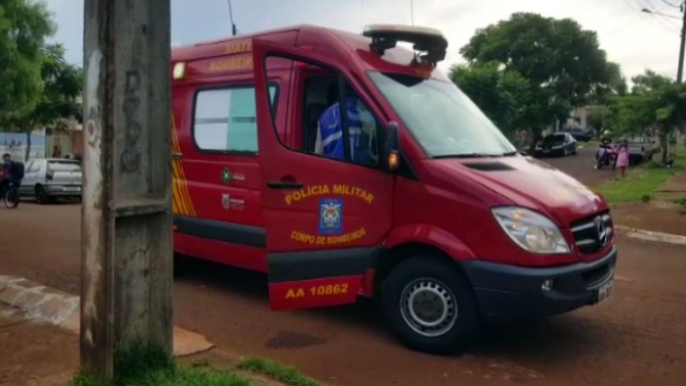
(63, 190)
(505, 292)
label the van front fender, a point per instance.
(430, 235)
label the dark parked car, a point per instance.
(557, 144)
(582, 134)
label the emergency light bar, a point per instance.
(429, 41)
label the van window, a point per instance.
(226, 120)
(320, 125)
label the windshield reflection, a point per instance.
(441, 117)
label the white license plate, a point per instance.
(71, 189)
(605, 290)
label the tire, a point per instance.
(42, 196)
(442, 286)
(564, 152)
(11, 198)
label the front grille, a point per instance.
(593, 233)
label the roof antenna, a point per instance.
(233, 26)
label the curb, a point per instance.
(41, 303)
(640, 234)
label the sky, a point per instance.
(633, 39)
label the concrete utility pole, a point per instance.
(680, 70)
(126, 243)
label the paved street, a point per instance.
(580, 166)
(637, 338)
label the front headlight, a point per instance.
(530, 230)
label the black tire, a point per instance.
(425, 275)
(42, 196)
(11, 198)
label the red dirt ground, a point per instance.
(638, 338)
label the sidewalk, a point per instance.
(35, 354)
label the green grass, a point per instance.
(640, 183)
(682, 201)
(176, 376)
(281, 373)
(144, 365)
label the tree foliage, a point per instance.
(24, 25)
(58, 101)
(654, 101)
(562, 63)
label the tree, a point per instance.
(562, 62)
(58, 102)
(655, 101)
(24, 25)
(649, 81)
(499, 94)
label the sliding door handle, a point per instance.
(284, 185)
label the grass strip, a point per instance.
(284, 374)
(641, 183)
(145, 365)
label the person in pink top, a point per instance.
(623, 158)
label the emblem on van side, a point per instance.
(226, 201)
(227, 176)
(331, 216)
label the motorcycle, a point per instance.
(606, 155)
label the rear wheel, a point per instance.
(429, 306)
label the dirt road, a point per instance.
(637, 338)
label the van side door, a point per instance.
(326, 201)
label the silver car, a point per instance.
(641, 148)
(47, 179)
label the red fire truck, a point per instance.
(407, 193)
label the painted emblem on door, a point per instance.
(226, 200)
(331, 216)
(226, 176)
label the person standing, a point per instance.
(623, 158)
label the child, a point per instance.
(623, 158)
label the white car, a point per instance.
(47, 179)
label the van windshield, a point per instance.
(441, 117)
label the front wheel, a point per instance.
(429, 306)
(41, 195)
(12, 198)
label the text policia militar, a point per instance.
(320, 190)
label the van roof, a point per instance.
(343, 45)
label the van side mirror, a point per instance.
(393, 146)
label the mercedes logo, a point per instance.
(601, 228)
